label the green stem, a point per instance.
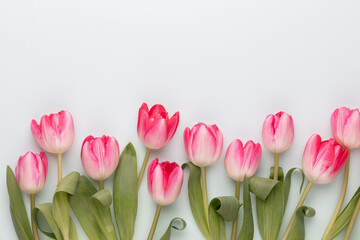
(143, 167)
(34, 228)
(59, 167)
(101, 185)
(235, 222)
(300, 203)
(153, 226)
(204, 193)
(341, 198)
(276, 166)
(352, 221)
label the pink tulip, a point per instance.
(154, 128)
(164, 181)
(278, 132)
(203, 144)
(100, 156)
(323, 160)
(241, 161)
(55, 134)
(31, 172)
(345, 125)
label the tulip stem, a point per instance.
(59, 168)
(101, 185)
(341, 198)
(300, 203)
(276, 166)
(204, 193)
(235, 222)
(352, 221)
(153, 226)
(32, 206)
(143, 167)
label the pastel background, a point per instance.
(229, 63)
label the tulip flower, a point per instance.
(31, 171)
(164, 184)
(345, 125)
(154, 130)
(322, 162)
(55, 134)
(239, 162)
(100, 157)
(203, 145)
(278, 135)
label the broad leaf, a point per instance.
(222, 209)
(60, 206)
(173, 225)
(46, 210)
(297, 231)
(17, 208)
(196, 198)
(126, 192)
(247, 229)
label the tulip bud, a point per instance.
(100, 156)
(55, 134)
(323, 160)
(154, 128)
(278, 132)
(345, 125)
(203, 144)
(31, 172)
(241, 161)
(164, 181)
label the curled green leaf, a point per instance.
(17, 208)
(262, 187)
(297, 231)
(46, 211)
(126, 192)
(222, 209)
(177, 224)
(196, 198)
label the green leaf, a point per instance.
(287, 183)
(297, 231)
(46, 210)
(17, 208)
(172, 225)
(100, 207)
(196, 198)
(280, 174)
(247, 229)
(222, 209)
(60, 206)
(344, 217)
(262, 187)
(126, 192)
(80, 204)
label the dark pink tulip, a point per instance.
(164, 181)
(154, 128)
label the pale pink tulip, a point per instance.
(323, 160)
(278, 132)
(164, 181)
(241, 161)
(154, 128)
(55, 134)
(203, 144)
(345, 125)
(31, 172)
(100, 156)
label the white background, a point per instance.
(226, 62)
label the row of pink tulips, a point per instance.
(322, 160)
